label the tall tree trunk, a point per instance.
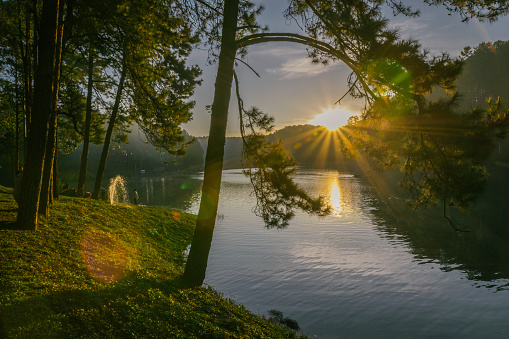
(88, 118)
(20, 32)
(27, 76)
(43, 99)
(46, 188)
(47, 176)
(36, 24)
(109, 132)
(198, 256)
(16, 150)
(55, 187)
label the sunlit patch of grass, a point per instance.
(99, 270)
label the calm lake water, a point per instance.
(372, 269)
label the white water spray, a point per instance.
(117, 190)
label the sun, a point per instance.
(332, 119)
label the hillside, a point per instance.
(311, 146)
(96, 270)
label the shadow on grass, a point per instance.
(8, 211)
(8, 225)
(132, 308)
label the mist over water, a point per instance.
(371, 269)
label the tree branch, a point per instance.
(251, 68)
(259, 38)
(209, 7)
(450, 221)
(74, 121)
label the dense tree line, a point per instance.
(484, 75)
(69, 66)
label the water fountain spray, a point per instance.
(117, 190)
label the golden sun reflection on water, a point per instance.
(335, 196)
(338, 192)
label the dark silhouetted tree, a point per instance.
(351, 31)
(41, 111)
(238, 32)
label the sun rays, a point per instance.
(319, 146)
(332, 118)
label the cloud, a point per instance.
(278, 51)
(302, 68)
(410, 26)
(288, 61)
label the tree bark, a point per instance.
(43, 90)
(47, 178)
(56, 190)
(16, 146)
(196, 266)
(88, 118)
(27, 77)
(109, 132)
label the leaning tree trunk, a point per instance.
(109, 132)
(198, 256)
(88, 118)
(42, 106)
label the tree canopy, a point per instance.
(89, 49)
(384, 68)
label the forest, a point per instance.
(482, 78)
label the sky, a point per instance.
(294, 91)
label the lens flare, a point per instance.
(103, 256)
(175, 215)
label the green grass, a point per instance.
(94, 270)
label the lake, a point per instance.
(372, 269)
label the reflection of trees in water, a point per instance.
(172, 190)
(481, 254)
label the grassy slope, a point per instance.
(97, 270)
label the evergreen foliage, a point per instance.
(97, 42)
(270, 167)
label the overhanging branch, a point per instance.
(259, 38)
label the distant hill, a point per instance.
(232, 151)
(311, 146)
